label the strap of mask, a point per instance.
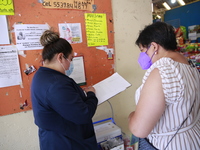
(148, 49)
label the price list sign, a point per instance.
(96, 29)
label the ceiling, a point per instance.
(158, 3)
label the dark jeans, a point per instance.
(144, 144)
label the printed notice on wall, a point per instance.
(78, 73)
(71, 32)
(28, 36)
(69, 4)
(4, 36)
(96, 29)
(6, 7)
(10, 74)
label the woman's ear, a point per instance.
(59, 57)
(155, 46)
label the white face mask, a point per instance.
(70, 70)
(62, 66)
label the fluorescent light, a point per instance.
(166, 6)
(152, 7)
(181, 2)
(173, 1)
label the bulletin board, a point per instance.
(98, 65)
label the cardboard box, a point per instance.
(108, 131)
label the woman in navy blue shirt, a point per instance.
(62, 110)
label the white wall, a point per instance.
(18, 131)
(129, 17)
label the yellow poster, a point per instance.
(6, 7)
(96, 29)
(69, 4)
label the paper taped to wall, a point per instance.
(110, 87)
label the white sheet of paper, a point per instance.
(78, 73)
(4, 36)
(71, 32)
(28, 36)
(10, 74)
(110, 87)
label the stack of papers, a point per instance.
(110, 87)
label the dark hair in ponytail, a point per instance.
(53, 44)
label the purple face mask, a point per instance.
(144, 60)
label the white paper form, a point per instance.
(10, 74)
(4, 36)
(110, 87)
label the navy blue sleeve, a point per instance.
(68, 101)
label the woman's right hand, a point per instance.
(89, 89)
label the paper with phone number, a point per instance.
(110, 87)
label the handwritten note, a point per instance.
(6, 7)
(69, 4)
(96, 29)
